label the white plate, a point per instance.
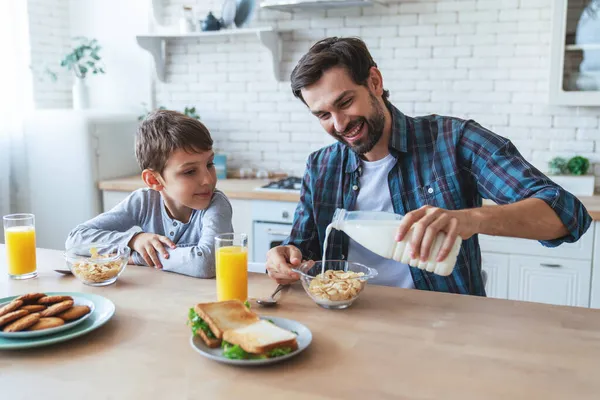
(228, 12)
(77, 301)
(304, 338)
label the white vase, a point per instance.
(81, 94)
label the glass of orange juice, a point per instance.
(231, 261)
(19, 237)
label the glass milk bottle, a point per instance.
(376, 231)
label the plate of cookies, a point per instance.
(74, 324)
(39, 314)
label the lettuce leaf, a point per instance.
(235, 352)
(282, 351)
(198, 323)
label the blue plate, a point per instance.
(245, 8)
(103, 311)
(77, 301)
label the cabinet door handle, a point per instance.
(550, 265)
(277, 233)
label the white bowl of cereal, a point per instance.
(337, 285)
(97, 264)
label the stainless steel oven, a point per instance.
(271, 225)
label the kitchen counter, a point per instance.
(244, 189)
(392, 343)
(233, 188)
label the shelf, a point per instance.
(308, 5)
(577, 47)
(156, 44)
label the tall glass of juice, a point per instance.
(19, 238)
(231, 261)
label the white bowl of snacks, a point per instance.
(337, 285)
(97, 264)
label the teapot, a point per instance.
(211, 23)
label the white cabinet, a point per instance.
(111, 199)
(521, 269)
(595, 293)
(242, 220)
(550, 280)
(573, 63)
(496, 268)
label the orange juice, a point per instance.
(232, 273)
(20, 249)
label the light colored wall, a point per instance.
(49, 42)
(481, 59)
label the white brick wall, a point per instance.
(481, 59)
(49, 42)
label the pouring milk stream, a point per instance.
(376, 231)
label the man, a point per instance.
(434, 170)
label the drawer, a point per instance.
(581, 250)
(273, 211)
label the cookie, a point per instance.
(30, 297)
(22, 323)
(46, 323)
(33, 307)
(56, 308)
(10, 307)
(11, 316)
(74, 313)
(53, 299)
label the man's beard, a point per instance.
(375, 124)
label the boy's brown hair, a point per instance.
(350, 53)
(164, 131)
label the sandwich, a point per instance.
(211, 320)
(262, 339)
(239, 331)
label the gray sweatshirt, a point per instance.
(144, 211)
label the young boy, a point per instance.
(172, 224)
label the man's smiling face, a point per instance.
(347, 111)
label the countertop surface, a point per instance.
(245, 189)
(391, 343)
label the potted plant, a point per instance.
(81, 61)
(572, 175)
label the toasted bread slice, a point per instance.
(224, 315)
(212, 343)
(261, 337)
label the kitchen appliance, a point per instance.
(290, 184)
(68, 153)
(272, 220)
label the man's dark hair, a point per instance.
(349, 53)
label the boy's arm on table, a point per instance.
(199, 260)
(116, 226)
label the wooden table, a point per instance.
(392, 343)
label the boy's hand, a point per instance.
(147, 244)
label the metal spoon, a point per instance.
(63, 271)
(270, 301)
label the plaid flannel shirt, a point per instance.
(440, 161)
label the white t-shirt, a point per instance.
(371, 197)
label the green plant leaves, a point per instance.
(84, 57)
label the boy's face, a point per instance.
(189, 179)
